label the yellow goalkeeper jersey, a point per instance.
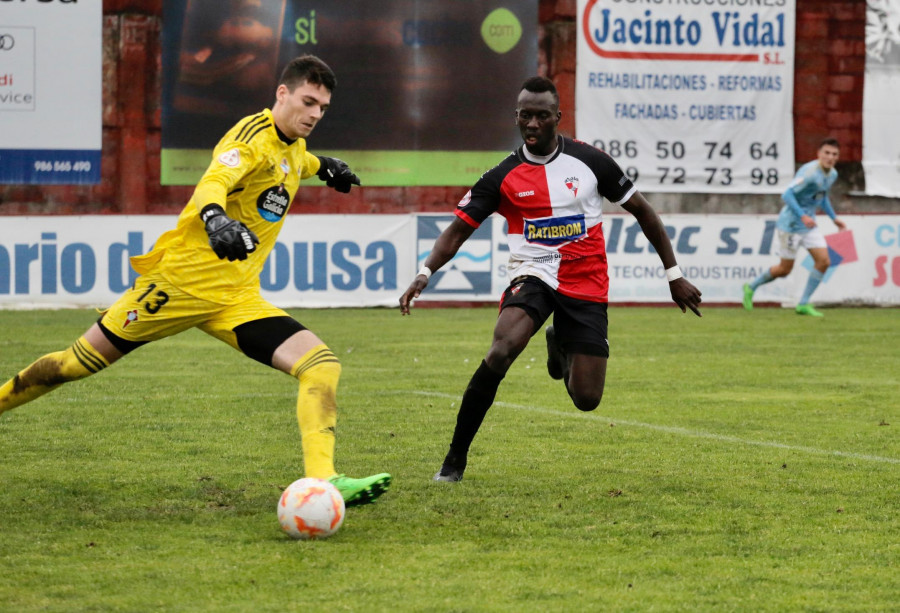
(254, 175)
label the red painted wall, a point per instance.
(828, 92)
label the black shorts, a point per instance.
(580, 325)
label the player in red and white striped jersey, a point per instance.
(550, 191)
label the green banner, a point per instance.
(375, 168)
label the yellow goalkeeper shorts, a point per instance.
(154, 309)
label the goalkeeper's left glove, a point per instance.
(228, 237)
(336, 174)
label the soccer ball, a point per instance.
(311, 509)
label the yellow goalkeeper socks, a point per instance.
(318, 371)
(49, 372)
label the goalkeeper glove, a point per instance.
(228, 237)
(336, 174)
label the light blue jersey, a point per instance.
(807, 192)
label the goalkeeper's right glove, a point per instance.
(228, 237)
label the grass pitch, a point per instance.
(742, 461)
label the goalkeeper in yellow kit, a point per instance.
(205, 272)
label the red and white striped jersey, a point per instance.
(553, 209)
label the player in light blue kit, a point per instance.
(797, 227)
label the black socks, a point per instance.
(477, 399)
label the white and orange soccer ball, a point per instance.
(311, 509)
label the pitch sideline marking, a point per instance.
(682, 431)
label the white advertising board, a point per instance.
(51, 91)
(369, 260)
(691, 96)
(319, 260)
(881, 130)
(719, 253)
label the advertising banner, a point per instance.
(719, 253)
(51, 92)
(319, 260)
(881, 130)
(426, 88)
(689, 96)
(369, 260)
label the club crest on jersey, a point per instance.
(465, 200)
(273, 203)
(230, 158)
(130, 317)
(554, 230)
(572, 185)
